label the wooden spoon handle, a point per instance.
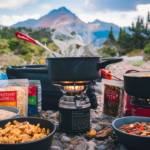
(116, 77)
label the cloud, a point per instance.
(10, 20)
(86, 3)
(15, 4)
(113, 5)
(122, 19)
(45, 6)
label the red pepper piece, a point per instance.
(133, 133)
(105, 74)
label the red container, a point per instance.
(127, 108)
(138, 111)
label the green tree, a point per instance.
(139, 38)
(123, 41)
(147, 49)
(111, 35)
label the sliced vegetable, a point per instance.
(136, 128)
(105, 74)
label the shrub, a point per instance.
(106, 56)
(136, 52)
(110, 51)
(147, 49)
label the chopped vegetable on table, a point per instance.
(136, 128)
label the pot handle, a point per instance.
(101, 65)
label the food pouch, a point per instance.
(113, 94)
(34, 98)
(14, 93)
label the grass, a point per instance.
(138, 63)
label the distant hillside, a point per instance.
(101, 29)
(28, 23)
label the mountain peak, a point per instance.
(61, 9)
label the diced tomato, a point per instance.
(141, 128)
(133, 133)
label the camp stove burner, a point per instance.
(140, 102)
(74, 106)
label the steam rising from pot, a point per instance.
(75, 39)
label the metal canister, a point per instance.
(73, 119)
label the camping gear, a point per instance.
(29, 39)
(3, 76)
(50, 93)
(137, 85)
(77, 68)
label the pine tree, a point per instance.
(111, 35)
(123, 41)
(139, 38)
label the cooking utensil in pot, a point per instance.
(137, 85)
(116, 77)
(29, 39)
(77, 68)
(41, 144)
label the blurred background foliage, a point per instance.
(18, 52)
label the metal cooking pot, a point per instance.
(77, 68)
(136, 85)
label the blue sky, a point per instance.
(120, 12)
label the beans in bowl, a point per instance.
(137, 128)
(22, 132)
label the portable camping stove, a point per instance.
(74, 106)
(140, 107)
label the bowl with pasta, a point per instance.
(26, 133)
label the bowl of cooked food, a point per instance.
(7, 112)
(26, 133)
(133, 132)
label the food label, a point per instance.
(111, 100)
(8, 98)
(32, 100)
(32, 91)
(111, 96)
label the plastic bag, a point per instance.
(3, 76)
(113, 97)
(35, 98)
(14, 93)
